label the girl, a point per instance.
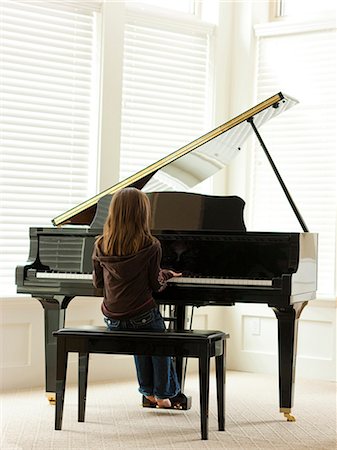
(126, 262)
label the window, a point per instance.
(166, 88)
(302, 141)
(304, 7)
(48, 119)
(186, 6)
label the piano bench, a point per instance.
(196, 344)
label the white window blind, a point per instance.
(301, 141)
(166, 89)
(48, 131)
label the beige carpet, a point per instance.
(115, 419)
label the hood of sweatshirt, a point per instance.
(126, 267)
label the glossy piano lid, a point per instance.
(191, 164)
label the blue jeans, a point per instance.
(156, 374)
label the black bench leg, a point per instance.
(220, 391)
(204, 363)
(61, 373)
(83, 365)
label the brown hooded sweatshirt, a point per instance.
(129, 281)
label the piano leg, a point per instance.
(287, 348)
(54, 318)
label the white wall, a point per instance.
(22, 342)
(252, 345)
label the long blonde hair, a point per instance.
(127, 227)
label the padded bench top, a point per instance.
(102, 331)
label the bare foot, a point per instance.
(163, 403)
(151, 398)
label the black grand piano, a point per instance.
(202, 236)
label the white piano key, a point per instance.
(174, 280)
(222, 281)
(64, 275)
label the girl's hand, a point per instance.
(175, 274)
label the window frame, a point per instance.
(279, 11)
(323, 22)
(157, 19)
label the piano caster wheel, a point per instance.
(289, 417)
(51, 396)
(286, 412)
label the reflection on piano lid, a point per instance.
(191, 164)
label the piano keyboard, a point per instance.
(222, 281)
(64, 275)
(174, 280)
